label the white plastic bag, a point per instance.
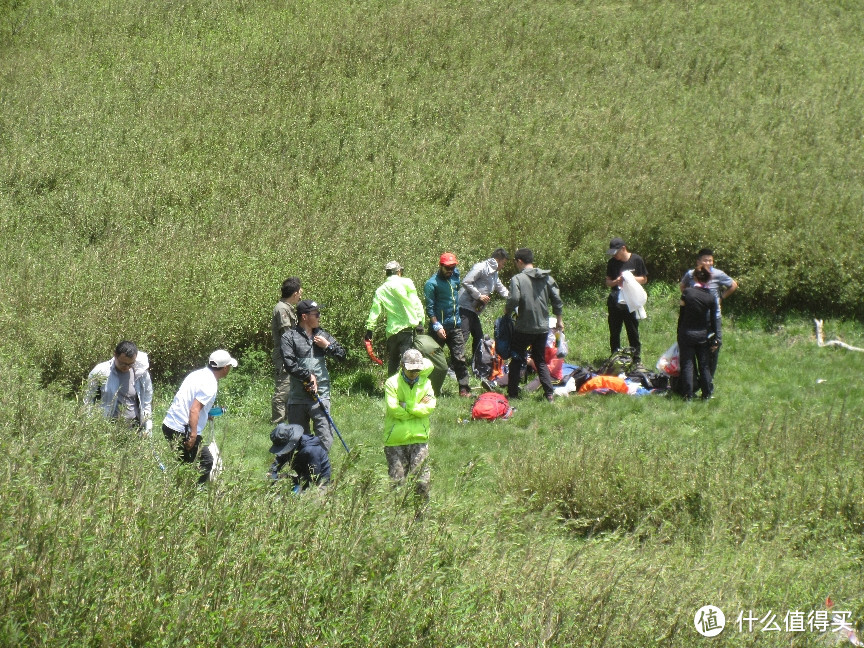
(668, 362)
(217, 460)
(563, 347)
(634, 295)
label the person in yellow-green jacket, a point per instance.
(397, 298)
(410, 401)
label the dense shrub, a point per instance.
(166, 165)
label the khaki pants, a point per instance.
(280, 393)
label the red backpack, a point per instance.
(491, 406)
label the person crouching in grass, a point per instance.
(409, 401)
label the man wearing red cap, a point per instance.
(441, 291)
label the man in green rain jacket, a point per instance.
(409, 401)
(397, 298)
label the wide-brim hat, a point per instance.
(285, 438)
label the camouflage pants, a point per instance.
(412, 460)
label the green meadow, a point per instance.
(165, 165)
(592, 521)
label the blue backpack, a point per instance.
(504, 327)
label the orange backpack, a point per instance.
(491, 406)
(609, 383)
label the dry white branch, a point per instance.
(822, 343)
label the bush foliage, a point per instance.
(165, 165)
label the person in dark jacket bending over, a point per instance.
(303, 453)
(698, 334)
(305, 349)
(531, 292)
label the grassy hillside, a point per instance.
(594, 521)
(165, 165)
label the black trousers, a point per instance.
(398, 344)
(178, 441)
(520, 343)
(693, 350)
(618, 315)
(472, 328)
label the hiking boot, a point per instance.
(464, 392)
(487, 385)
(550, 397)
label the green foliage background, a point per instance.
(164, 165)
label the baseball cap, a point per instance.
(614, 245)
(393, 266)
(221, 358)
(448, 259)
(412, 360)
(308, 306)
(285, 437)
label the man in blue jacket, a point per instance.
(441, 291)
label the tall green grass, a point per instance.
(166, 165)
(594, 521)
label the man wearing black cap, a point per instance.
(305, 454)
(621, 261)
(305, 349)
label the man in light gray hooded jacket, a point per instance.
(476, 292)
(531, 293)
(122, 389)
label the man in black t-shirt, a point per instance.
(622, 259)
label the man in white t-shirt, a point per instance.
(185, 420)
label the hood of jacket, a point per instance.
(536, 273)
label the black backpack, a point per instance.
(486, 363)
(580, 376)
(650, 379)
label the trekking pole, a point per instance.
(314, 394)
(332, 424)
(158, 460)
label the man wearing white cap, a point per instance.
(184, 423)
(397, 298)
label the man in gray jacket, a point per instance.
(531, 292)
(305, 349)
(476, 292)
(122, 389)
